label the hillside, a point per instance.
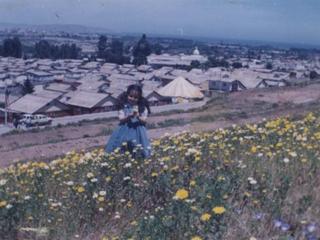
(222, 111)
(257, 181)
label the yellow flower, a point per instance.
(196, 238)
(254, 149)
(218, 210)
(80, 189)
(108, 179)
(154, 174)
(192, 183)
(3, 204)
(205, 217)
(194, 208)
(90, 175)
(100, 199)
(134, 223)
(181, 194)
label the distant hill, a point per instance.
(70, 28)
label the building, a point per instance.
(83, 102)
(181, 90)
(36, 104)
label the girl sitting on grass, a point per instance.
(133, 111)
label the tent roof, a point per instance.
(180, 87)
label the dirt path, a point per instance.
(256, 104)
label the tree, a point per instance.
(195, 64)
(117, 47)
(213, 62)
(12, 47)
(43, 49)
(292, 75)
(74, 51)
(102, 46)
(237, 65)
(27, 87)
(114, 54)
(140, 51)
(313, 75)
(269, 66)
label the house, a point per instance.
(12, 98)
(39, 76)
(90, 65)
(225, 85)
(93, 86)
(109, 68)
(144, 68)
(272, 83)
(83, 102)
(34, 104)
(11, 85)
(115, 92)
(41, 91)
(150, 85)
(155, 99)
(75, 74)
(59, 87)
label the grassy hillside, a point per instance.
(253, 182)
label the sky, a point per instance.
(290, 21)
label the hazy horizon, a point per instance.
(287, 21)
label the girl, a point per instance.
(133, 112)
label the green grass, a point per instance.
(262, 177)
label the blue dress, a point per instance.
(132, 132)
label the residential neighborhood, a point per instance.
(171, 71)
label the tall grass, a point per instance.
(259, 181)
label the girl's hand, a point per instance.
(135, 114)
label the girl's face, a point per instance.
(133, 97)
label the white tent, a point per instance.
(180, 87)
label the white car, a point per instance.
(29, 120)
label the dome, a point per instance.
(196, 51)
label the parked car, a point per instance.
(29, 120)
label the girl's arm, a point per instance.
(122, 117)
(143, 116)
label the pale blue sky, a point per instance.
(296, 21)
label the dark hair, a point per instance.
(143, 103)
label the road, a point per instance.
(74, 119)
(154, 109)
(4, 129)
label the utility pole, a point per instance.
(6, 102)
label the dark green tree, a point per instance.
(195, 64)
(27, 87)
(74, 51)
(114, 54)
(213, 62)
(140, 51)
(12, 47)
(102, 46)
(313, 75)
(237, 65)
(269, 66)
(43, 49)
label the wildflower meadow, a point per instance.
(258, 181)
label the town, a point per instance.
(90, 84)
